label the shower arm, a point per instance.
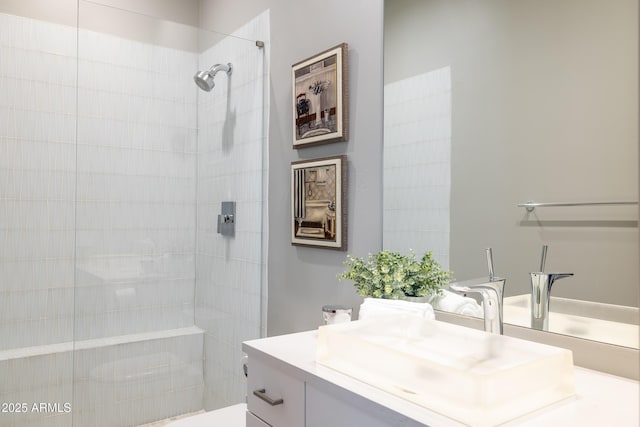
(221, 67)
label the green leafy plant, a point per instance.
(392, 275)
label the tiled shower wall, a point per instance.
(230, 168)
(417, 166)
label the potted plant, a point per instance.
(391, 275)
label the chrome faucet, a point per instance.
(541, 293)
(491, 289)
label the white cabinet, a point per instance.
(273, 396)
(276, 399)
(324, 408)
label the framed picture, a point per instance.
(320, 98)
(318, 203)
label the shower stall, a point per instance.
(120, 304)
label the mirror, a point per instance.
(490, 104)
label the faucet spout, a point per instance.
(540, 297)
(491, 290)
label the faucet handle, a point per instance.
(490, 263)
(556, 276)
(543, 259)
(548, 279)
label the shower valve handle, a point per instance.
(227, 219)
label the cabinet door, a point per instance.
(325, 409)
(253, 421)
(273, 396)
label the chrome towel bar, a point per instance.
(530, 206)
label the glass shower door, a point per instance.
(37, 216)
(138, 352)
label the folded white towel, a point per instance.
(454, 303)
(378, 307)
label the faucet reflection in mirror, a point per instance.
(541, 293)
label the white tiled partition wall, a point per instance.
(417, 164)
(231, 141)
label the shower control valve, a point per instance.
(227, 219)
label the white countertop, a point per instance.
(600, 400)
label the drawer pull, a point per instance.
(262, 395)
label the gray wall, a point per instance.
(545, 108)
(300, 279)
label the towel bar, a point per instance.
(530, 206)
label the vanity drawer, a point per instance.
(274, 396)
(253, 421)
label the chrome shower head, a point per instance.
(204, 79)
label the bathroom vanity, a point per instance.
(288, 388)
